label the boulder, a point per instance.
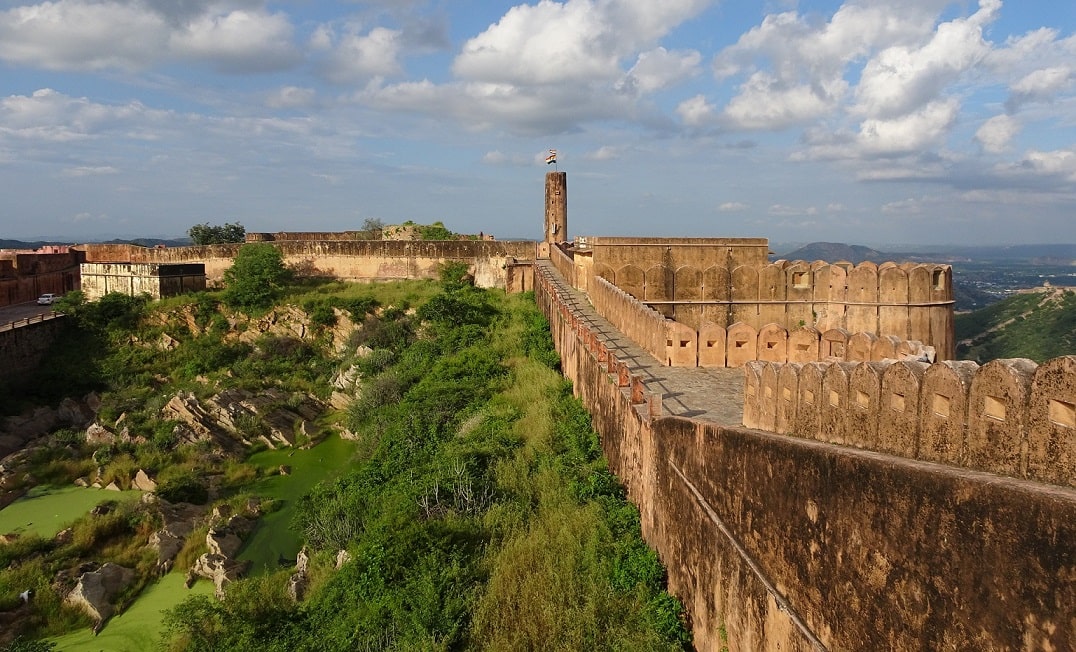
(223, 542)
(98, 435)
(95, 590)
(218, 569)
(143, 482)
(342, 557)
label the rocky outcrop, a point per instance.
(223, 542)
(16, 432)
(237, 418)
(95, 590)
(143, 482)
(218, 569)
(298, 581)
(179, 520)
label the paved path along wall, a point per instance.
(793, 544)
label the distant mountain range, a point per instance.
(142, 242)
(1058, 254)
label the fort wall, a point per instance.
(791, 543)
(907, 301)
(22, 348)
(1009, 417)
(493, 263)
(26, 276)
(158, 280)
(713, 345)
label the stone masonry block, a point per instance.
(997, 417)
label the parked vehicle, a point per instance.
(46, 299)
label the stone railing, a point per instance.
(1008, 417)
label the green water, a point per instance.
(137, 629)
(44, 511)
(273, 539)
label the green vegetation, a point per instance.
(257, 278)
(474, 504)
(1037, 325)
(479, 515)
(206, 234)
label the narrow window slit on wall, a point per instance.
(1063, 413)
(940, 405)
(786, 394)
(684, 343)
(994, 408)
(936, 279)
(834, 399)
(711, 344)
(863, 399)
(808, 397)
(771, 345)
(768, 392)
(801, 280)
(741, 344)
(896, 402)
(803, 347)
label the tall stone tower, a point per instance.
(556, 207)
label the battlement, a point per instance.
(1009, 417)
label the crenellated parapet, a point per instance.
(906, 301)
(1009, 417)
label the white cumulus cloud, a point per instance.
(997, 132)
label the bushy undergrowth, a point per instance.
(483, 515)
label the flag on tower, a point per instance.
(552, 158)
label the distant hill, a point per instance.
(1039, 325)
(832, 252)
(142, 242)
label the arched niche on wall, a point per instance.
(687, 284)
(631, 280)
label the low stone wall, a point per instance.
(786, 543)
(1009, 417)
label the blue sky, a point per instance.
(873, 122)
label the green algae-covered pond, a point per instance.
(47, 510)
(273, 539)
(138, 628)
(44, 511)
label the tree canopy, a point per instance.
(207, 234)
(257, 278)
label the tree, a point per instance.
(373, 228)
(207, 234)
(257, 278)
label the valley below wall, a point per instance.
(779, 543)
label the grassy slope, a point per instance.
(1036, 325)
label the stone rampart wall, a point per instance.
(24, 277)
(680, 345)
(907, 301)
(155, 279)
(352, 260)
(22, 348)
(645, 326)
(793, 544)
(1009, 417)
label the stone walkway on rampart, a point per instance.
(699, 393)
